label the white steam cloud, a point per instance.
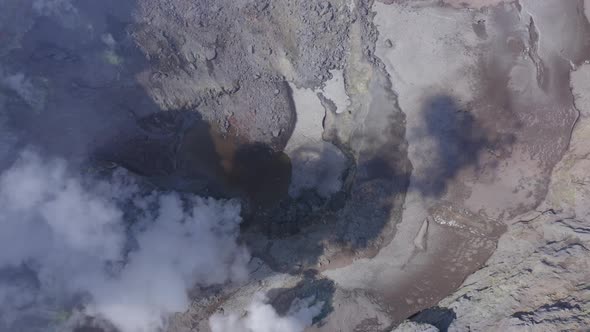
(24, 88)
(261, 317)
(127, 255)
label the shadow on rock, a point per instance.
(450, 140)
(178, 150)
(439, 317)
(312, 286)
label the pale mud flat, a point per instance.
(489, 114)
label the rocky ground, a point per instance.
(387, 154)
